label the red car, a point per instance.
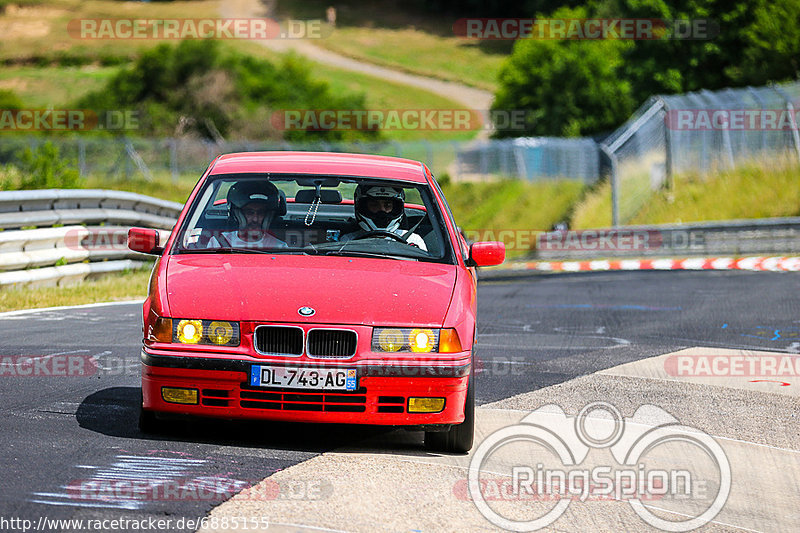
(314, 287)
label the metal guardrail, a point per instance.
(729, 238)
(32, 252)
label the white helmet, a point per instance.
(380, 220)
(245, 192)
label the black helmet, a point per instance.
(262, 191)
(380, 220)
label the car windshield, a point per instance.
(315, 215)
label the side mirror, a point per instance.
(144, 240)
(486, 254)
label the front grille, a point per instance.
(332, 343)
(391, 404)
(215, 397)
(280, 340)
(279, 401)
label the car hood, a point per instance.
(342, 290)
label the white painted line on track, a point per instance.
(18, 312)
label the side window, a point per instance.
(449, 215)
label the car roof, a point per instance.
(325, 163)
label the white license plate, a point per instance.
(292, 377)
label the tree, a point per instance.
(568, 87)
(200, 88)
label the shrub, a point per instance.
(199, 88)
(44, 168)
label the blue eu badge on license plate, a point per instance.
(350, 380)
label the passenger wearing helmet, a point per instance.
(381, 208)
(251, 206)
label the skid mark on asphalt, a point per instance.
(132, 482)
(561, 340)
(604, 307)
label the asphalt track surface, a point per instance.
(63, 436)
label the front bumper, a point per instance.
(381, 397)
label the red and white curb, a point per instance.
(771, 264)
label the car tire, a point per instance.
(458, 439)
(149, 423)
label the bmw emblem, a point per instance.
(306, 311)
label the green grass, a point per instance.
(417, 52)
(52, 86)
(380, 94)
(162, 186)
(484, 209)
(41, 38)
(111, 287)
(418, 42)
(759, 189)
(41, 30)
(594, 209)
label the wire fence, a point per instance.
(127, 157)
(700, 132)
(695, 132)
(530, 158)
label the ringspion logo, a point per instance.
(546, 457)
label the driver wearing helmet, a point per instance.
(381, 208)
(252, 205)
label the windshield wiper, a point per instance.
(240, 250)
(356, 253)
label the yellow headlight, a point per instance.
(190, 331)
(391, 340)
(175, 395)
(421, 340)
(425, 405)
(220, 332)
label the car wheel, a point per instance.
(458, 439)
(148, 423)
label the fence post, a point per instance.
(760, 102)
(790, 110)
(173, 159)
(614, 184)
(428, 153)
(82, 157)
(669, 178)
(484, 160)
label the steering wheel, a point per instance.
(381, 233)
